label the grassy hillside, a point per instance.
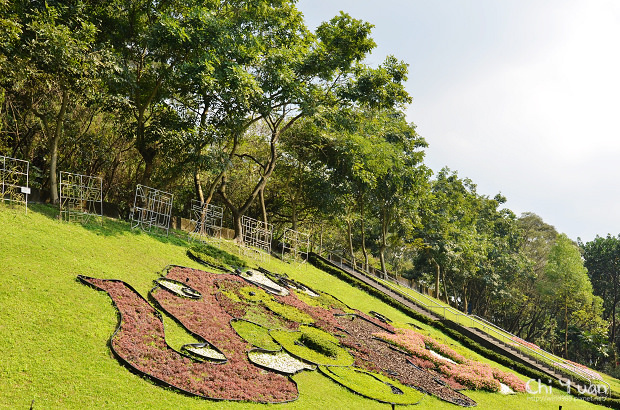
(54, 330)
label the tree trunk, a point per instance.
(613, 330)
(238, 238)
(445, 287)
(148, 155)
(465, 307)
(294, 213)
(382, 259)
(261, 198)
(54, 147)
(260, 185)
(384, 228)
(566, 329)
(363, 228)
(321, 241)
(197, 185)
(350, 242)
(437, 275)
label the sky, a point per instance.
(520, 96)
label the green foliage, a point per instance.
(567, 286)
(257, 295)
(602, 259)
(313, 345)
(255, 334)
(373, 385)
(214, 256)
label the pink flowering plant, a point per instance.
(140, 343)
(455, 368)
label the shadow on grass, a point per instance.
(113, 227)
(47, 210)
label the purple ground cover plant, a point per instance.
(400, 354)
(464, 372)
(141, 344)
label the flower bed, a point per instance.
(376, 355)
(372, 385)
(178, 288)
(465, 372)
(260, 279)
(139, 342)
(233, 317)
(313, 346)
(255, 334)
(204, 351)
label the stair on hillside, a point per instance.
(384, 289)
(411, 303)
(512, 351)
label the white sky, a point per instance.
(521, 96)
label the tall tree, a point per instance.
(566, 282)
(602, 259)
(397, 189)
(301, 74)
(447, 228)
(525, 314)
(54, 65)
(147, 42)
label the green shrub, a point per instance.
(372, 385)
(319, 341)
(257, 295)
(319, 350)
(255, 334)
(211, 256)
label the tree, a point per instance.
(447, 228)
(148, 43)
(566, 283)
(397, 189)
(525, 313)
(299, 192)
(300, 75)
(53, 66)
(602, 259)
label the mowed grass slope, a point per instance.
(54, 331)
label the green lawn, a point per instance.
(54, 330)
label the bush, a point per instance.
(373, 385)
(211, 256)
(255, 334)
(319, 350)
